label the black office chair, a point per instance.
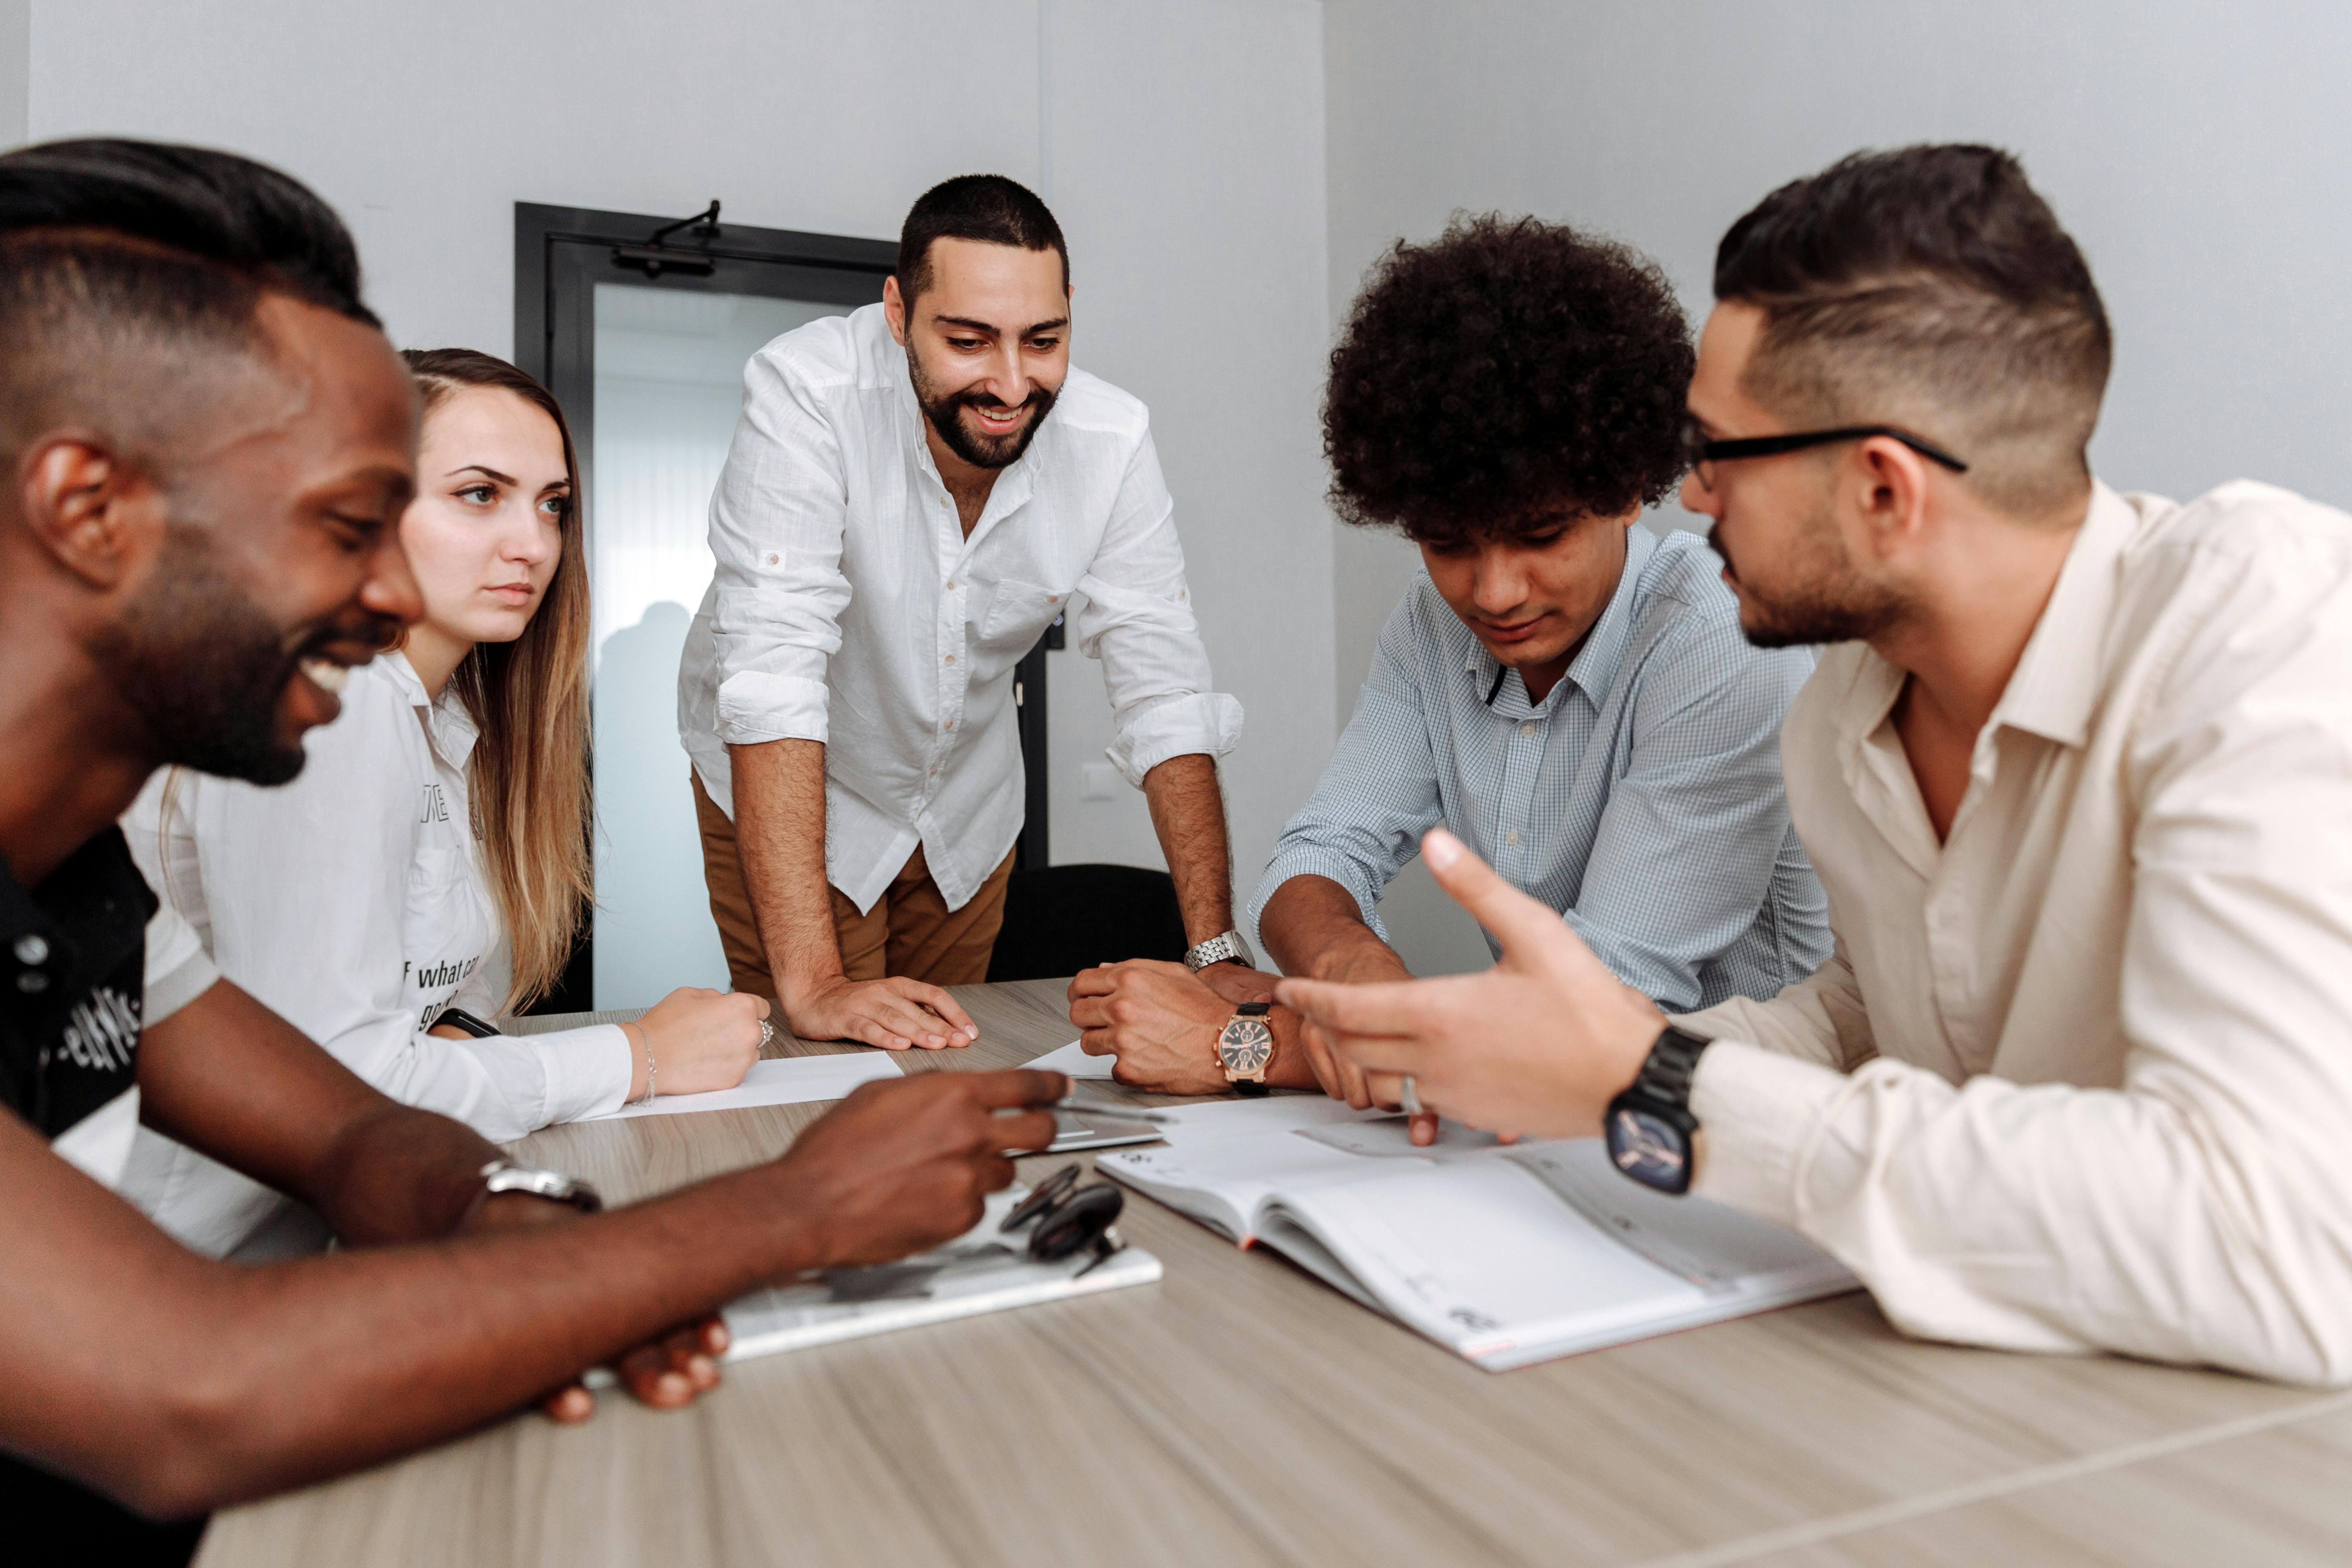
(1060, 920)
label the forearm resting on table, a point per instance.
(187, 1384)
(232, 1079)
(778, 789)
(1188, 812)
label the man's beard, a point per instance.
(1820, 598)
(981, 451)
(203, 669)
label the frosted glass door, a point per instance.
(669, 383)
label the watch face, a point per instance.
(1650, 1149)
(1245, 1046)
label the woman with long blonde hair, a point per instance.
(429, 868)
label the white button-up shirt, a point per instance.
(353, 903)
(848, 606)
(2080, 1076)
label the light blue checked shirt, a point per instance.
(1642, 799)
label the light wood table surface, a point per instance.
(1240, 1411)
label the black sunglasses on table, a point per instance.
(1070, 1219)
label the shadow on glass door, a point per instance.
(641, 326)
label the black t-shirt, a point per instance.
(73, 961)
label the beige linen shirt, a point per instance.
(2080, 1076)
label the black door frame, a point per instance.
(560, 253)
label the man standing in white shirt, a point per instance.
(915, 492)
(2074, 780)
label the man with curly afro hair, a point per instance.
(1565, 689)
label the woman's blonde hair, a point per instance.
(529, 700)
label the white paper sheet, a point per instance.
(782, 1081)
(1073, 1060)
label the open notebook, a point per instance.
(1503, 1254)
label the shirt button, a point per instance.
(773, 559)
(950, 659)
(32, 981)
(32, 948)
(950, 584)
(1512, 838)
(1529, 729)
(948, 725)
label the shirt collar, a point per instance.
(448, 726)
(2057, 680)
(1595, 669)
(97, 895)
(28, 935)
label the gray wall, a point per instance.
(1227, 169)
(16, 67)
(2201, 153)
(1181, 147)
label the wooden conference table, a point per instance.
(1239, 1411)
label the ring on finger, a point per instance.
(766, 1034)
(1409, 1097)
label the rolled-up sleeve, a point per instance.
(1137, 619)
(1705, 769)
(778, 591)
(1378, 795)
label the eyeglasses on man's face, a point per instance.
(1703, 453)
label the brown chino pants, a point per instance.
(910, 931)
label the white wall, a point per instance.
(1182, 148)
(2201, 153)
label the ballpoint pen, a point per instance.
(1071, 1102)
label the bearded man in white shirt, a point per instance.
(915, 492)
(2077, 1076)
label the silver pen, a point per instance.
(1104, 1108)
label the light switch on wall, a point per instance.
(1099, 781)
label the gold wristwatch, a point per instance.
(1245, 1046)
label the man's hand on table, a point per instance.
(895, 1014)
(1368, 963)
(904, 1165)
(664, 1373)
(1538, 1045)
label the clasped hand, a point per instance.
(1159, 1021)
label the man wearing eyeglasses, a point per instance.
(1565, 688)
(2075, 778)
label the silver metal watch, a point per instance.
(504, 1176)
(1226, 947)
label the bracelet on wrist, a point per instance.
(647, 1041)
